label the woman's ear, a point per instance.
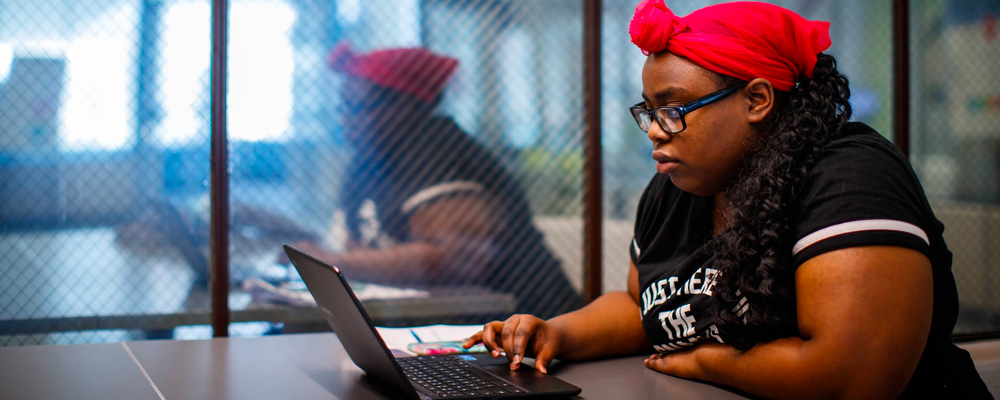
(761, 95)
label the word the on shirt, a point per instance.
(701, 282)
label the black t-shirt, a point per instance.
(438, 161)
(862, 191)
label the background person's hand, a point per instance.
(519, 336)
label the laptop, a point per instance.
(475, 375)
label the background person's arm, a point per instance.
(452, 238)
(864, 314)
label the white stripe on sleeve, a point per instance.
(441, 189)
(859, 226)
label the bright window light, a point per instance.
(95, 114)
(183, 81)
(349, 11)
(260, 63)
(260, 71)
(6, 58)
(99, 74)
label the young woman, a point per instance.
(780, 249)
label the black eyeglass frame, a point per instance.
(653, 114)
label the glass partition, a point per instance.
(955, 142)
(103, 168)
(450, 195)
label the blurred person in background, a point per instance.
(424, 203)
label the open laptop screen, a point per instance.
(352, 325)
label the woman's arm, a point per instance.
(610, 325)
(864, 314)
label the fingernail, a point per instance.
(517, 358)
(494, 353)
(543, 370)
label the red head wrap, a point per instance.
(745, 40)
(415, 71)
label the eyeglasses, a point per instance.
(671, 118)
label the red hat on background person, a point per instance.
(745, 40)
(414, 71)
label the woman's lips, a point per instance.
(664, 163)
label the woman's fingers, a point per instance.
(488, 337)
(545, 355)
(518, 335)
(472, 340)
(660, 362)
(526, 333)
(682, 364)
(507, 339)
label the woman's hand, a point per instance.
(684, 364)
(520, 335)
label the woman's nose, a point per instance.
(657, 134)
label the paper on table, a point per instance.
(399, 338)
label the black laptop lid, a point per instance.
(349, 321)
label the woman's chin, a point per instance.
(691, 186)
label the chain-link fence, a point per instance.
(448, 187)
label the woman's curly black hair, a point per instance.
(754, 252)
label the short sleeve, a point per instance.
(862, 192)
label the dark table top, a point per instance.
(301, 366)
(297, 366)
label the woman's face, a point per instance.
(375, 116)
(703, 158)
(365, 106)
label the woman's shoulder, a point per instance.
(858, 138)
(860, 149)
(861, 159)
(862, 180)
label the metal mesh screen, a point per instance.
(104, 156)
(425, 145)
(956, 142)
(104, 138)
(105, 128)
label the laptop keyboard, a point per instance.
(450, 377)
